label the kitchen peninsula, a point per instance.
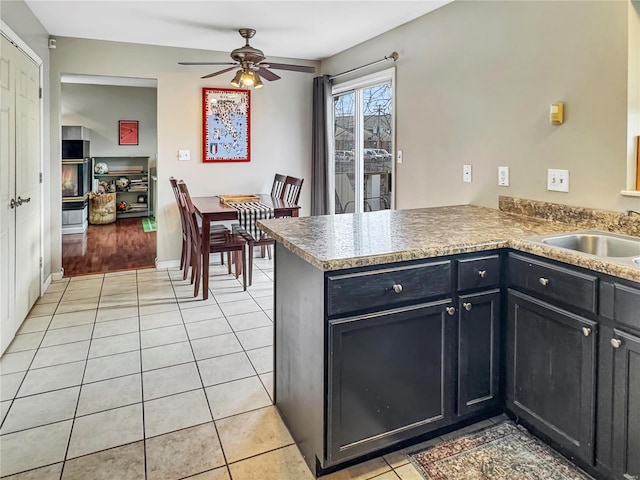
(395, 325)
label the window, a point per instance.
(363, 137)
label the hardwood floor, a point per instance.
(122, 245)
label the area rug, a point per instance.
(501, 452)
(149, 224)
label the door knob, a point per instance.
(467, 306)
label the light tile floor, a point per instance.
(127, 376)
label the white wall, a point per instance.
(280, 124)
(474, 83)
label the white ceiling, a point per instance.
(304, 29)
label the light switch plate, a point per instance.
(184, 155)
(466, 173)
(503, 176)
(558, 180)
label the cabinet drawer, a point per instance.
(627, 306)
(387, 287)
(566, 286)
(482, 272)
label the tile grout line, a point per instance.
(84, 371)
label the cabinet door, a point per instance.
(390, 378)
(551, 372)
(626, 406)
(478, 351)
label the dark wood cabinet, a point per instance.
(626, 405)
(478, 352)
(551, 372)
(390, 377)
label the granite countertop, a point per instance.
(335, 242)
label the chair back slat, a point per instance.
(292, 189)
(190, 213)
(278, 185)
(183, 221)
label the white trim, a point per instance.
(45, 285)
(58, 276)
(14, 38)
(385, 75)
(166, 264)
(630, 193)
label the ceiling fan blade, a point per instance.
(293, 68)
(268, 75)
(207, 63)
(218, 73)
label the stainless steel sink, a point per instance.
(599, 244)
(611, 247)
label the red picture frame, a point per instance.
(226, 125)
(127, 132)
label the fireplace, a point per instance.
(76, 179)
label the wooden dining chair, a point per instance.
(220, 242)
(185, 255)
(278, 185)
(292, 189)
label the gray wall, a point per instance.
(19, 18)
(99, 107)
(474, 83)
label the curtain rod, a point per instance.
(392, 56)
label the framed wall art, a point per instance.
(225, 125)
(127, 132)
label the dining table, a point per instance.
(213, 209)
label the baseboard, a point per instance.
(58, 276)
(164, 265)
(45, 285)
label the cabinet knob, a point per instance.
(586, 331)
(544, 281)
(397, 288)
(467, 306)
(451, 310)
(615, 343)
(482, 273)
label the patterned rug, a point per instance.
(501, 452)
(149, 224)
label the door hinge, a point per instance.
(40, 177)
(40, 262)
(40, 93)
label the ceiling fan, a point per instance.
(251, 65)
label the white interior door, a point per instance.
(7, 193)
(27, 185)
(19, 189)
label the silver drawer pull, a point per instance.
(544, 281)
(586, 331)
(482, 273)
(615, 343)
(397, 288)
(451, 310)
(467, 306)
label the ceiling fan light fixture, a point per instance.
(246, 78)
(257, 81)
(237, 79)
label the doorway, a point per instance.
(112, 227)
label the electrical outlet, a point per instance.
(184, 155)
(466, 173)
(558, 180)
(503, 176)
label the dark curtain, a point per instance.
(320, 195)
